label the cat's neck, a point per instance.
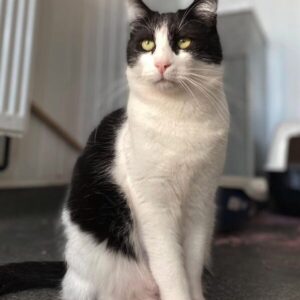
(178, 104)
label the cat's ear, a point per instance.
(136, 9)
(204, 7)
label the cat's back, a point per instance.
(95, 202)
(99, 149)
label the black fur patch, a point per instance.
(201, 29)
(96, 203)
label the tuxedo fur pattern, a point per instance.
(140, 214)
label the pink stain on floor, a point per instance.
(247, 239)
(259, 239)
(293, 244)
(262, 232)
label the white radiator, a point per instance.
(16, 39)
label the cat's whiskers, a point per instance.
(189, 91)
(213, 78)
(212, 81)
(209, 93)
(220, 107)
(201, 69)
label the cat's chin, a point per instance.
(166, 85)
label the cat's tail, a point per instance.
(19, 277)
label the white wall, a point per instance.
(77, 78)
(40, 157)
(281, 22)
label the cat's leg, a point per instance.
(159, 220)
(76, 288)
(165, 256)
(80, 251)
(195, 251)
(199, 227)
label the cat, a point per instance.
(140, 212)
(139, 219)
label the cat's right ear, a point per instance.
(136, 9)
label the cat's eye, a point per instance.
(148, 45)
(184, 43)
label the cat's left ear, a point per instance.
(137, 9)
(205, 7)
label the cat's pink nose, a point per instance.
(162, 66)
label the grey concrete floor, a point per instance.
(261, 262)
(30, 238)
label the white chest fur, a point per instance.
(170, 135)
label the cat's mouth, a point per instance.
(164, 80)
(165, 84)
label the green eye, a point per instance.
(148, 45)
(184, 43)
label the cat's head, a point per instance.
(174, 49)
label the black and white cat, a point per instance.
(140, 214)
